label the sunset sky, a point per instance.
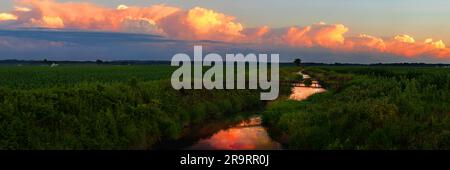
(359, 31)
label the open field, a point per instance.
(105, 107)
(43, 76)
(367, 108)
(135, 107)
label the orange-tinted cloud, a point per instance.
(365, 42)
(201, 23)
(320, 35)
(196, 23)
(256, 35)
(48, 13)
(206, 24)
(7, 17)
(404, 45)
(21, 9)
(262, 31)
(332, 36)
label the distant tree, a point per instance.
(45, 61)
(99, 62)
(298, 62)
(300, 77)
(308, 82)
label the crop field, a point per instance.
(28, 77)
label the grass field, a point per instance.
(28, 77)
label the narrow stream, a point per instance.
(250, 134)
(246, 135)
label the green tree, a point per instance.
(299, 77)
(45, 61)
(99, 62)
(308, 82)
(298, 62)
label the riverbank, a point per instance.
(129, 115)
(249, 134)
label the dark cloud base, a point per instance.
(37, 44)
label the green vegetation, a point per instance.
(367, 108)
(308, 82)
(101, 107)
(31, 77)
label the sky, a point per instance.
(361, 31)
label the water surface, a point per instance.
(250, 134)
(246, 135)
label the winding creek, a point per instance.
(246, 135)
(249, 134)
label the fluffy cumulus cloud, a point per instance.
(86, 16)
(332, 36)
(365, 42)
(320, 34)
(201, 23)
(206, 24)
(7, 17)
(196, 23)
(405, 45)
